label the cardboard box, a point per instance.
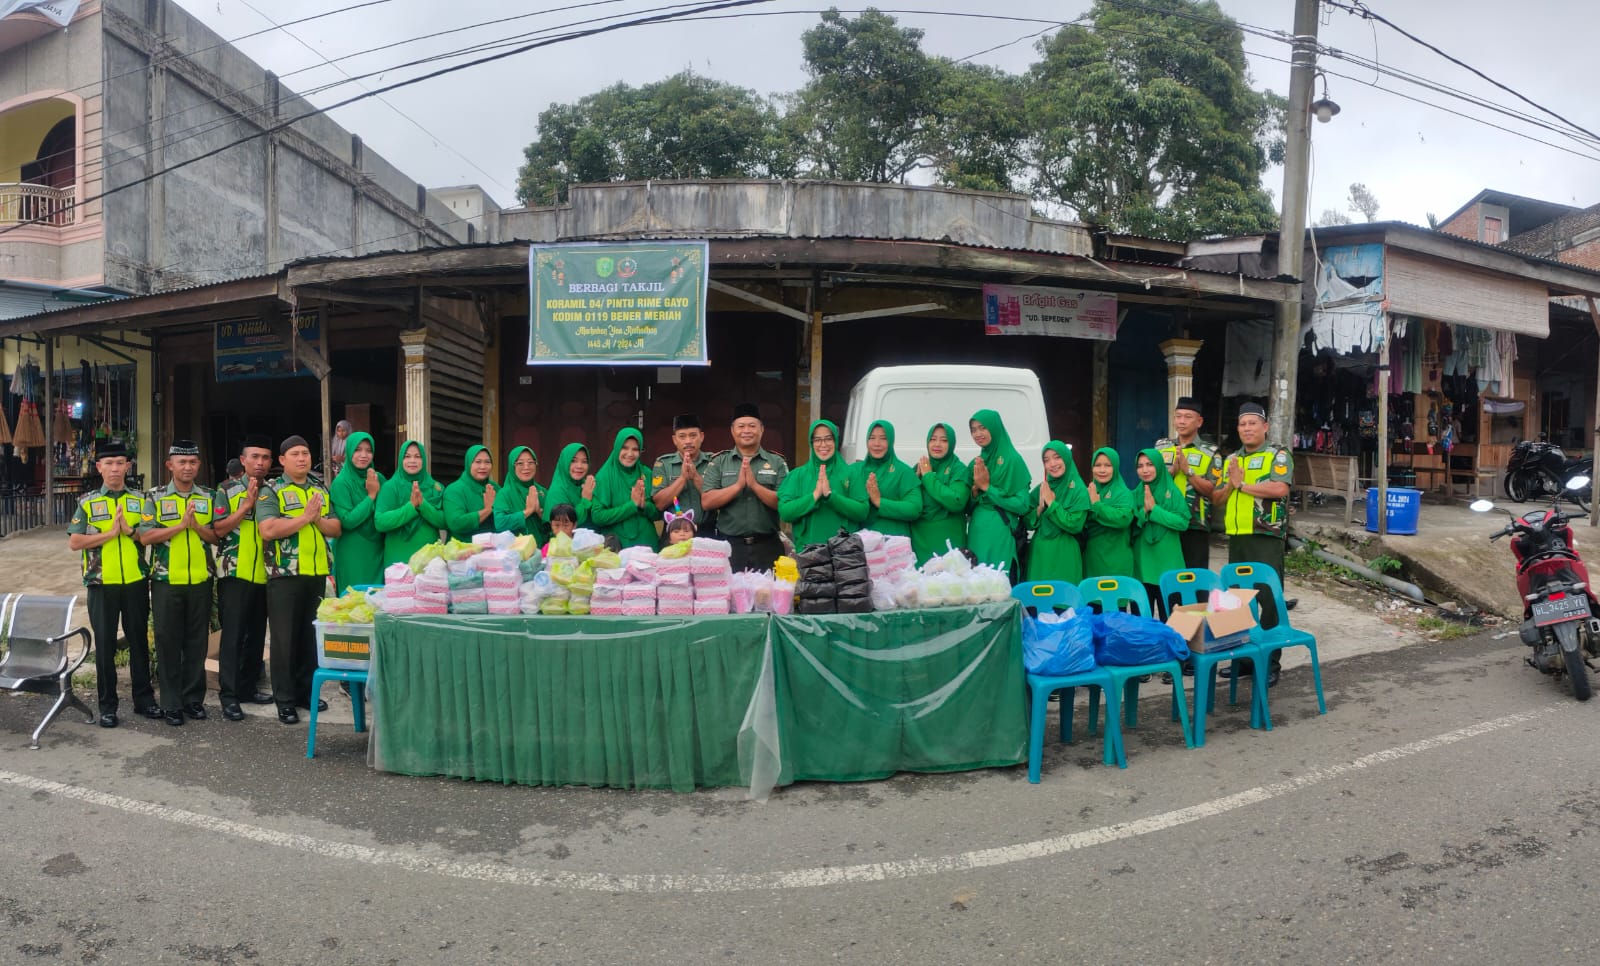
(1214, 632)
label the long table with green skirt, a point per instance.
(680, 703)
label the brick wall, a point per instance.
(1586, 255)
(1464, 225)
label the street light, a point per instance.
(1324, 107)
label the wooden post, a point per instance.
(48, 415)
(815, 412)
(1383, 429)
(1594, 316)
(1100, 405)
(325, 388)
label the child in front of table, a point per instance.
(563, 519)
(679, 526)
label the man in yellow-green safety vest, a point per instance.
(178, 529)
(294, 516)
(1254, 496)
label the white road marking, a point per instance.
(792, 879)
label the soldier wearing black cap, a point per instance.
(741, 486)
(1254, 495)
(103, 529)
(178, 528)
(1195, 469)
(242, 583)
(679, 477)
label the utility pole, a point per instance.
(1292, 224)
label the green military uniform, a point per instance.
(665, 472)
(747, 523)
(181, 571)
(1203, 463)
(117, 578)
(297, 574)
(1258, 526)
(241, 599)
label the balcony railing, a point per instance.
(36, 203)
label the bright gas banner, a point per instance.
(618, 304)
(1030, 310)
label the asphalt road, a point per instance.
(1447, 809)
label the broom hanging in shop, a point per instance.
(5, 425)
(30, 431)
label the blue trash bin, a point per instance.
(1404, 510)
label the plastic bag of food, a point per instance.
(424, 556)
(883, 595)
(484, 540)
(579, 604)
(398, 573)
(526, 546)
(531, 567)
(676, 551)
(782, 597)
(784, 568)
(582, 579)
(706, 546)
(561, 569)
(586, 543)
(606, 560)
(908, 591)
(560, 545)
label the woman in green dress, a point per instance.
(1060, 507)
(410, 510)
(815, 498)
(358, 552)
(571, 484)
(519, 506)
(894, 499)
(946, 494)
(469, 501)
(1160, 515)
(1000, 485)
(1108, 551)
(622, 507)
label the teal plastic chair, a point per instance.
(1276, 633)
(1057, 595)
(1180, 587)
(1129, 595)
(358, 687)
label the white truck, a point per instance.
(914, 398)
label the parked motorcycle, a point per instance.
(1560, 619)
(1539, 469)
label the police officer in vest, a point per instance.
(178, 529)
(242, 582)
(1254, 495)
(679, 477)
(294, 516)
(741, 487)
(103, 529)
(1195, 469)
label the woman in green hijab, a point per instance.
(621, 494)
(571, 484)
(894, 499)
(1060, 508)
(1000, 485)
(946, 494)
(358, 552)
(469, 501)
(1107, 551)
(519, 506)
(1161, 515)
(410, 508)
(818, 498)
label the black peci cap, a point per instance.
(256, 441)
(685, 421)
(183, 447)
(746, 409)
(1188, 402)
(1252, 409)
(110, 448)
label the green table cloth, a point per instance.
(864, 696)
(623, 702)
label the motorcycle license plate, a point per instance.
(1547, 612)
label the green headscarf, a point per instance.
(882, 466)
(1165, 491)
(938, 465)
(512, 500)
(463, 500)
(1116, 489)
(563, 488)
(349, 477)
(466, 478)
(803, 478)
(1007, 471)
(613, 485)
(398, 489)
(513, 485)
(1059, 485)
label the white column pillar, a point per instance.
(419, 387)
(1179, 355)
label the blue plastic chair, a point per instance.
(358, 700)
(1129, 595)
(1276, 633)
(1057, 595)
(1180, 587)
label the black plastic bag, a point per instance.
(855, 605)
(815, 590)
(804, 606)
(814, 555)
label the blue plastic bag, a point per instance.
(1057, 649)
(1124, 640)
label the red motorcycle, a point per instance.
(1560, 619)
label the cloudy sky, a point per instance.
(1417, 159)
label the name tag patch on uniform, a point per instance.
(1256, 462)
(291, 501)
(1195, 458)
(99, 511)
(169, 509)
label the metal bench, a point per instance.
(37, 657)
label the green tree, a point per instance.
(1145, 121)
(866, 113)
(1363, 200)
(686, 126)
(979, 127)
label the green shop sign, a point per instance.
(618, 304)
